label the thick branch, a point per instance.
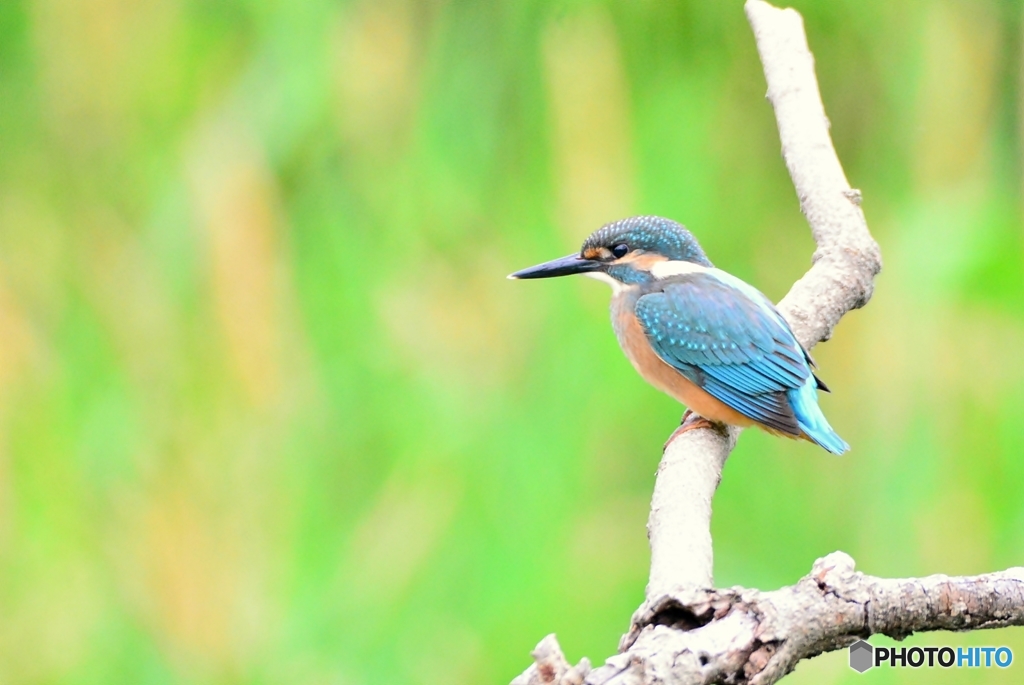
(749, 636)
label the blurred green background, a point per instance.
(271, 413)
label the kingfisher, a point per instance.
(703, 336)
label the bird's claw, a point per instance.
(689, 422)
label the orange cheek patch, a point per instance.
(642, 260)
(597, 253)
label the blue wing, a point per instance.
(728, 339)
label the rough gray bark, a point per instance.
(686, 632)
(748, 636)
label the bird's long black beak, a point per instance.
(566, 266)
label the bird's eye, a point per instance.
(620, 250)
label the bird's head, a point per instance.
(629, 251)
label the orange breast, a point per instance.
(658, 373)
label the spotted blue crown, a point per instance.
(650, 234)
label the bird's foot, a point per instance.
(690, 421)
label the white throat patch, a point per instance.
(617, 286)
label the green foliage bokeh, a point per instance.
(271, 413)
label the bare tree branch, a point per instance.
(749, 636)
(841, 278)
(686, 633)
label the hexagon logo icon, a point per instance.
(862, 656)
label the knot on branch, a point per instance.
(682, 609)
(833, 570)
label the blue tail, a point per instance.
(812, 422)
